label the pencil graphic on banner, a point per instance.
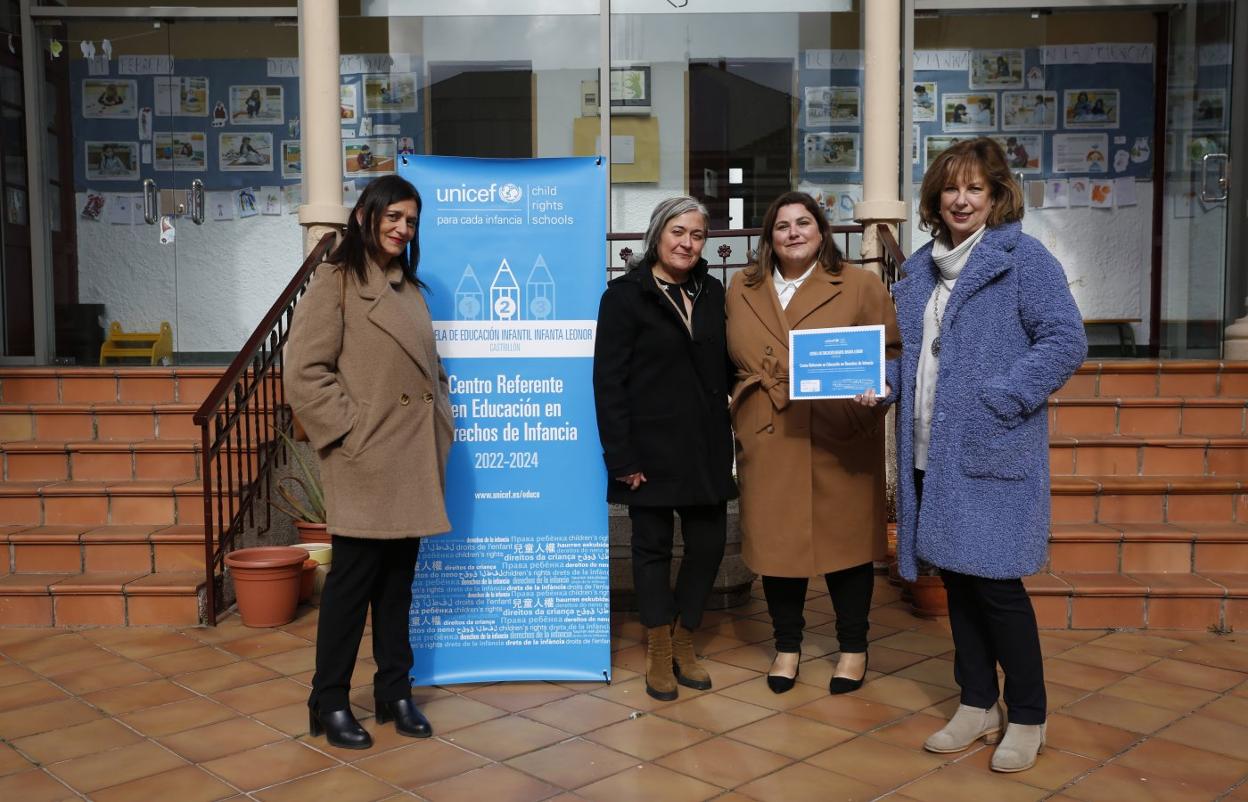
(504, 294)
(469, 297)
(540, 291)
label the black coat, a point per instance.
(662, 394)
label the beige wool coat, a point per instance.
(811, 473)
(363, 376)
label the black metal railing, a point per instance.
(237, 422)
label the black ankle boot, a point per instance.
(340, 729)
(408, 720)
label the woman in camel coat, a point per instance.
(811, 473)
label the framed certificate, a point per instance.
(836, 363)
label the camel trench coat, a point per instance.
(811, 473)
(363, 376)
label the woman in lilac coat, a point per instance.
(989, 331)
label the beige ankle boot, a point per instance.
(1019, 747)
(967, 726)
(660, 681)
(689, 672)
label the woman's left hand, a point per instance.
(869, 398)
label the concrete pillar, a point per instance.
(881, 127)
(320, 121)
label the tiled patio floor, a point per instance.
(198, 714)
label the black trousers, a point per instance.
(993, 623)
(704, 529)
(365, 573)
(850, 589)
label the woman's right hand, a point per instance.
(633, 480)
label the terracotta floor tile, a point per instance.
(269, 765)
(1087, 738)
(878, 764)
(72, 662)
(802, 782)
(502, 738)
(933, 671)
(723, 675)
(516, 696)
(1053, 769)
(263, 695)
(1092, 654)
(1061, 695)
(1113, 783)
(11, 761)
(632, 694)
(1138, 688)
(71, 742)
(649, 782)
(227, 629)
(149, 643)
(34, 786)
(116, 766)
(32, 649)
(1202, 732)
(177, 716)
(928, 645)
(968, 784)
(1193, 675)
(186, 660)
(911, 731)
(185, 784)
(341, 784)
(220, 678)
(1154, 644)
(1229, 708)
(850, 712)
(291, 662)
(116, 701)
(573, 763)
(1079, 675)
(747, 630)
(752, 657)
(45, 717)
(452, 713)
(13, 674)
(495, 782)
(264, 644)
(715, 713)
(111, 675)
(792, 736)
(291, 719)
(756, 692)
(421, 763)
(1196, 767)
(906, 693)
(201, 744)
(1224, 655)
(25, 694)
(579, 713)
(1122, 713)
(648, 737)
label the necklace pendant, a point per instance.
(936, 346)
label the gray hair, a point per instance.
(662, 215)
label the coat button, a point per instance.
(404, 399)
(428, 398)
(767, 350)
(940, 417)
(770, 428)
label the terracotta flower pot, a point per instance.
(266, 581)
(313, 533)
(307, 579)
(927, 597)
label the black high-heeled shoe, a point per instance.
(408, 720)
(845, 684)
(780, 683)
(340, 728)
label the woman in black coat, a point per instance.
(661, 378)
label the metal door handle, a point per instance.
(196, 202)
(1223, 181)
(149, 201)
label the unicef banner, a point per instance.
(512, 251)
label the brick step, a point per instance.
(102, 598)
(99, 460)
(1153, 377)
(1162, 416)
(138, 421)
(134, 548)
(1149, 499)
(1140, 600)
(75, 503)
(1149, 548)
(1134, 455)
(106, 385)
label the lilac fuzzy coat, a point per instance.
(1011, 335)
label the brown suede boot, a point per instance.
(688, 671)
(660, 681)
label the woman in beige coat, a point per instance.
(811, 473)
(363, 376)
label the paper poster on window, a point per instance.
(363, 158)
(245, 202)
(1197, 146)
(270, 200)
(349, 102)
(183, 96)
(933, 146)
(112, 161)
(1080, 153)
(1102, 193)
(1022, 151)
(968, 111)
(292, 197)
(923, 102)
(395, 94)
(1090, 108)
(1080, 192)
(245, 152)
(1196, 108)
(110, 99)
(835, 152)
(256, 105)
(292, 158)
(1029, 110)
(181, 150)
(996, 69)
(833, 105)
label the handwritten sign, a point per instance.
(952, 60)
(1099, 53)
(834, 59)
(145, 65)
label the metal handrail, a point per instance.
(237, 452)
(893, 257)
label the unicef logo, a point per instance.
(509, 193)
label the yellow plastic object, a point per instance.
(152, 347)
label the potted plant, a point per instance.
(927, 592)
(306, 507)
